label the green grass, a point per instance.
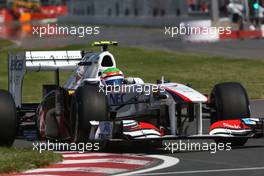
(15, 160)
(202, 72)
(5, 43)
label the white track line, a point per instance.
(100, 154)
(168, 161)
(206, 171)
(78, 169)
(86, 154)
(121, 160)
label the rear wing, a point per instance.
(20, 63)
(52, 60)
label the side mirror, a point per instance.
(165, 81)
(91, 81)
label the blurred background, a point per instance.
(244, 16)
(139, 27)
(139, 23)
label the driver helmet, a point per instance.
(112, 76)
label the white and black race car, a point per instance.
(84, 109)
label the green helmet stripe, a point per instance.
(111, 70)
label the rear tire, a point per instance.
(230, 101)
(89, 105)
(8, 119)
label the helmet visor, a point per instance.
(114, 82)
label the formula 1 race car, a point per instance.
(85, 108)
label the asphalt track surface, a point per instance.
(153, 39)
(243, 161)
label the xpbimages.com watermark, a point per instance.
(186, 30)
(180, 146)
(58, 146)
(126, 88)
(55, 29)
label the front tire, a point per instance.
(89, 105)
(8, 119)
(229, 101)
